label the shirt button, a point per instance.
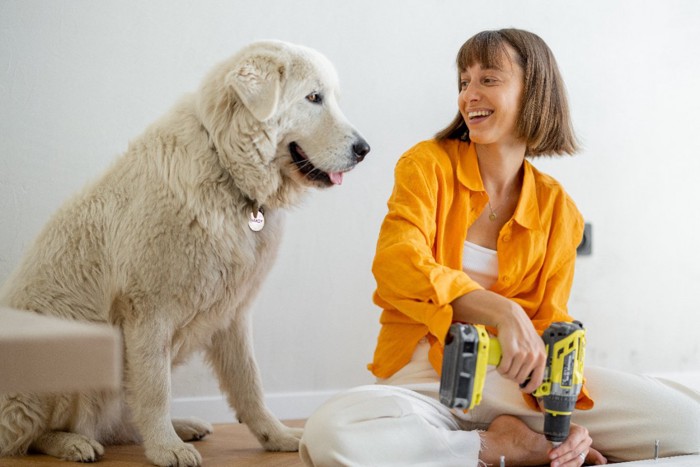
(505, 279)
(506, 238)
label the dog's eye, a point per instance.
(314, 97)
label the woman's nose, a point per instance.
(469, 93)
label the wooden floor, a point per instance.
(229, 445)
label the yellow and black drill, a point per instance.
(469, 349)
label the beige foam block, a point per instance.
(41, 353)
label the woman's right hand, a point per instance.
(523, 352)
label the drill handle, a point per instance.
(495, 352)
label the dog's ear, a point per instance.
(257, 81)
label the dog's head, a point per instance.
(275, 105)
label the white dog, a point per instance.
(170, 247)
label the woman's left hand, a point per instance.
(576, 450)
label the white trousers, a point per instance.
(401, 422)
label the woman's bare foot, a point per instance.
(510, 437)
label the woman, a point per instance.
(476, 234)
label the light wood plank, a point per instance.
(229, 445)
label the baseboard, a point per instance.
(215, 409)
(300, 405)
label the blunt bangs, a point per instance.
(486, 48)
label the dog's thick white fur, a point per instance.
(160, 247)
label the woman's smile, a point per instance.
(476, 116)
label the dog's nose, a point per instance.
(360, 149)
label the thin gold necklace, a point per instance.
(493, 215)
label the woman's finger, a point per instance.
(573, 451)
(535, 379)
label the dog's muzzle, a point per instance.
(360, 149)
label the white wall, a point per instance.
(79, 79)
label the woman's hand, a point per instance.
(523, 352)
(576, 450)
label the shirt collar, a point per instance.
(468, 167)
(527, 213)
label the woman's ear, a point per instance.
(257, 81)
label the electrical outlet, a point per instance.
(585, 248)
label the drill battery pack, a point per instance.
(468, 351)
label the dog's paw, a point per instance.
(174, 455)
(69, 446)
(285, 439)
(192, 429)
(83, 450)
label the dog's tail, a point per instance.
(21, 422)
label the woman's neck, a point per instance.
(500, 167)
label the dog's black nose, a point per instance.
(361, 149)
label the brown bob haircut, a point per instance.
(544, 120)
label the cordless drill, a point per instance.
(469, 349)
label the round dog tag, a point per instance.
(256, 221)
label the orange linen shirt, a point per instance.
(438, 193)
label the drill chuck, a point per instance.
(556, 427)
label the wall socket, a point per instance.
(585, 248)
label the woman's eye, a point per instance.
(463, 84)
(314, 97)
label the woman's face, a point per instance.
(489, 100)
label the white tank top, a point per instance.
(480, 263)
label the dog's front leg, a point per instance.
(147, 381)
(231, 355)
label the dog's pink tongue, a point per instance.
(336, 177)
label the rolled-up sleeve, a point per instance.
(408, 277)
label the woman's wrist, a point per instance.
(485, 307)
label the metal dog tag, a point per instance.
(256, 222)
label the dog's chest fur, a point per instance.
(227, 280)
(207, 261)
